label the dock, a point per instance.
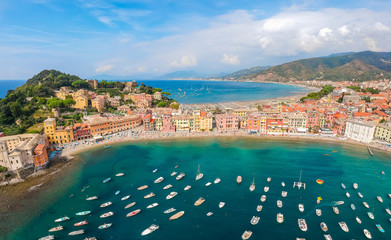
(370, 151)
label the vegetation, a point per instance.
(162, 104)
(365, 90)
(80, 84)
(3, 169)
(318, 95)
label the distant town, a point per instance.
(358, 111)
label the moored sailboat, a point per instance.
(252, 186)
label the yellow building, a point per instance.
(57, 134)
(158, 123)
(182, 123)
(206, 121)
(383, 131)
(81, 102)
(243, 112)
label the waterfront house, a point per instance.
(360, 131)
(227, 122)
(383, 131)
(81, 131)
(107, 125)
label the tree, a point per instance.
(80, 84)
(162, 104)
(174, 105)
(68, 103)
(54, 103)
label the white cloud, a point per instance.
(105, 20)
(372, 44)
(381, 27)
(230, 59)
(142, 69)
(104, 68)
(186, 61)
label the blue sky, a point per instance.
(151, 38)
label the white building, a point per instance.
(360, 131)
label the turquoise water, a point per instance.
(189, 91)
(224, 158)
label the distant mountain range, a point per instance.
(244, 72)
(361, 66)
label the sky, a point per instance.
(152, 37)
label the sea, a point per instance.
(196, 91)
(226, 158)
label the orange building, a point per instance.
(102, 126)
(40, 156)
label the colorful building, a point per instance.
(81, 102)
(383, 131)
(104, 125)
(40, 156)
(227, 122)
(360, 131)
(81, 131)
(57, 134)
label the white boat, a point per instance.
(170, 210)
(343, 226)
(318, 212)
(268, 179)
(283, 184)
(299, 184)
(106, 225)
(388, 211)
(301, 207)
(370, 215)
(159, 180)
(187, 187)
(55, 229)
(171, 195)
(155, 170)
(254, 220)
(130, 205)
(266, 189)
(199, 201)
(355, 185)
(279, 203)
(105, 215)
(119, 174)
(252, 186)
(173, 173)
(263, 198)
(152, 205)
(239, 179)
(125, 198)
(217, 180)
(343, 186)
(78, 232)
(347, 195)
(199, 174)
(336, 210)
(208, 184)
(133, 213)
(48, 237)
(379, 199)
(358, 220)
(284, 193)
(246, 235)
(149, 195)
(92, 198)
(259, 208)
(367, 234)
(389, 195)
(327, 237)
(302, 224)
(62, 219)
(149, 230)
(221, 204)
(280, 217)
(167, 186)
(180, 176)
(365, 204)
(353, 207)
(209, 214)
(360, 195)
(324, 227)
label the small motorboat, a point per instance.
(48, 237)
(106, 204)
(199, 174)
(152, 205)
(318, 212)
(180, 176)
(155, 170)
(135, 212)
(283, 184)
(355, 186)
(379, 199)
(266, 189)
(246, 235)
(130, 205)
(221, 204)
(62, 219)
(388, 211)
(353, 207)
(92, 198)
(106, 180)
(358, 220)
(217, 180)
(159, 180)
(173, 174)
(319, 181)
(268, 179)
(239, 179)
(78, 232)
(209, 214)
(360, 195)
(177, 215)
(187, 187)
(259, 208)
(365, 204)
(170, 210)
(327, 236)
(83, 213)
(149, 195)
(105, 215)
(301, 207)
(343, 226)
(149, 230)
(171, 195)
(208, 184)
(263, 198)
(367, 234)
(106, 225)
(336, 210)
(302, 224)
(280, 217)
(80, 223)
(323, 226)
(370, 215)
(254, 220)
(380, 228)
(167, 186)
(125, 198)
(142, 187)
(117, 192)
(55, 229)
(284, 193)
(279, 203)
(252, 186)
(119, 174)
(347, 195)
(200, 201)
(343, 186)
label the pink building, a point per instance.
(227, 122)
(312, 119)
(254, 122)
(167, 125)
